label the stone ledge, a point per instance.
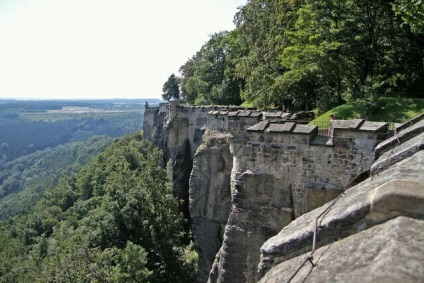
(273, 114)
(390, 252)
(348, 124)
(281, 128)
(410, 122)
(398, 154)
(400, 137)
(305, 129)
(376, 127)
(367, 204)
(259, 127)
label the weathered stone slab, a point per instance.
(305, 129)
(259, 127)
(358, 208)
(390, 252)
(281, 128)
(273, 114)
(374, 126)
(244, 114)
(406, 134)
(232, 113)
(347, 124)
(410, 122)
(256, 114)
(398, 154)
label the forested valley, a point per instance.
(114, 221)
(76, 206)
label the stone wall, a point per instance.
(281, 171)
(371, 233)
(251, 174)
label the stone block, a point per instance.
(374, 126)
(398, 154)
(347, 124)
(390, 252)
(259, 127)
(280, 128)
(305, 129)
(405, 134)
(244, 113)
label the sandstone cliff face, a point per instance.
(251, 177)
(210, 197)
(371, 233)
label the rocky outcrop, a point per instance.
(210, 197)
(390, 252)
(372, 232)
(254, 173)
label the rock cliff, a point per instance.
(244, 175)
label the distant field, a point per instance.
(68, 113)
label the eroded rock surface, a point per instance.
(210, 198)
(390, 252)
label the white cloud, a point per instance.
(102, 48)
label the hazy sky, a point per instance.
(102, 48)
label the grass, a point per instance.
(386, 109)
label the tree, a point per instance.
(315, 61)
(262, 25)
(171, 88)
(209, 76)
(115, 221)
(412, 13)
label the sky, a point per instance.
(92, 49)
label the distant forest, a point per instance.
(310, 55)
(44, 141)
(28, 126)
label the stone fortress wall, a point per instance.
(245, 174)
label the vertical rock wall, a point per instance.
(210, 197)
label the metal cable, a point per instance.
(310, 257)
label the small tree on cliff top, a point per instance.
(171, 88)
